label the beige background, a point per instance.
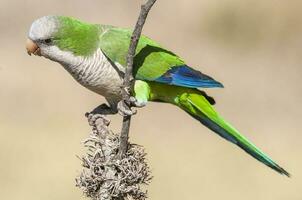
(252, 46)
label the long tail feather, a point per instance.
(197, 106)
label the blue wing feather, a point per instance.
(187, 77)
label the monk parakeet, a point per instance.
(95, 55)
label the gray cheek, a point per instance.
(49, 52)
(57, 55)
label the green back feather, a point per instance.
(151, 60)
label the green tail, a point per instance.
(198, 107)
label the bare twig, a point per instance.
(128, 83)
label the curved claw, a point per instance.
(124, 110)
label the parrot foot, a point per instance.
(100, 112)
(124, 107)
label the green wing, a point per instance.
(151, 62)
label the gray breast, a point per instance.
(96, 73)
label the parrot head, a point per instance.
(57, 37)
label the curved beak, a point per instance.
(32, 48)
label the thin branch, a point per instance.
(128, 83)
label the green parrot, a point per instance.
(95, 55)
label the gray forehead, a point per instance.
(43, 28)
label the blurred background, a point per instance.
(252, 46)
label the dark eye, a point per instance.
(47, 41)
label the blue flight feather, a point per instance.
(187, 77)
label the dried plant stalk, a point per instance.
(105, 176)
